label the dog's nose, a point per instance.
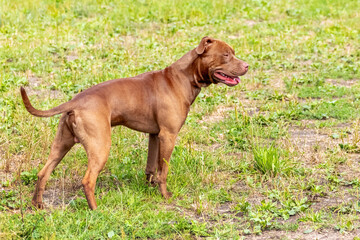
(246, 66)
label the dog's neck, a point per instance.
(187, 71)
(185, 61)
(189, 63)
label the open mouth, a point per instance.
(226, 79)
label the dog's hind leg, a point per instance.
(95, 136)
(62, 143)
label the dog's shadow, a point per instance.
(112, 186)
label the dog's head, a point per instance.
(217, 62)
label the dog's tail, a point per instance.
(65, 107)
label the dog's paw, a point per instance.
(164, 191)
(38, 205)
(167, 195)
(151, 180)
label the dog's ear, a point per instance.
(205, 42)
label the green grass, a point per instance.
(270, 161)
(273, 153)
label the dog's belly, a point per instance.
(141, 125)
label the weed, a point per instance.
(270, 161)
(29, 177)
(344, 226)
(312, 216)
(349, 147)
(9, 200)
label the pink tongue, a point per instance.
(237, 79)
(230, 80)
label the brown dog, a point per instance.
(154, 102)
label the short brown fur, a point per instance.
(155, 102)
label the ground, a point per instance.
(276, 157)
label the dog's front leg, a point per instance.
(153, 159)
(167, 143)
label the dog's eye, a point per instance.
(226, 54)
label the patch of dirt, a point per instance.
(225, 208)
(310, 143)
(208, 148)
(275, 80)
(128, 41)
(332, 200)
(327, 22)
(43, 93)
(342, 82)
(250, 23)
(71, 57)
(277, 83)
(9, 168)
(355, 157)
(247, 22)
(305, 138)
(344, 125)
(57, 197)
(191, 214)
(324, 234)
(307, 62)
(240, 187)
(216, 116)
(249, 106)
(313, 145)
(59, 192)
(34, 87)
